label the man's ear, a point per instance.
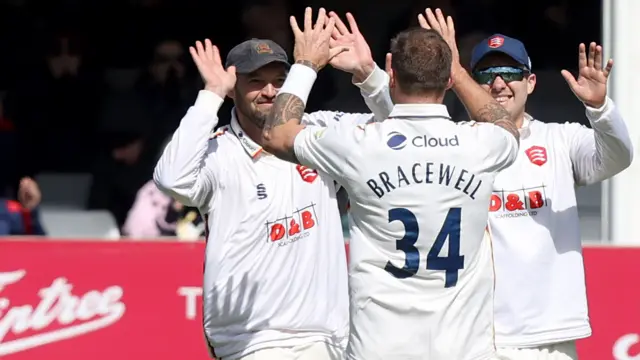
(531, 83)
(232, 94)
(449, 83)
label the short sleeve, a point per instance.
(500, 146)
(325, 149)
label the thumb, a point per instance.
(387, 63)
(337, 51)
(569, 78)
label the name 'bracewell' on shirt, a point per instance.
(425, 173)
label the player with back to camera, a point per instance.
(275, 277)
(421, 276)
(541, 301)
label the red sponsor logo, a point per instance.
(307, 174)
(292, 228)
(496, 42)
(263, 48)
(524, 200)
(537, 155)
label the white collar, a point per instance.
(250, 147)
(420, 111)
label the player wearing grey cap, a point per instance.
(541, 302)
(275, 278)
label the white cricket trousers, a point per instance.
(560, 351)
(312, 351)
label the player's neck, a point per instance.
(250, 128)
(519, 120)
(417, 99)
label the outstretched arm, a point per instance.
(480, 105)
(311, 52)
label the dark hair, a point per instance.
(421, 61)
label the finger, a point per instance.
(341, 28)
(294, 26)
(571, 81)
(387, 63)
(337, 51)
(608, 68)
(200, 49)
(433, 22)
(582, 56)
(442, 22)
(321, 21)
(451, 27)
(353, 25)
(308, 19)
(592, 54)
(328, 30)
(423, 22)
(335, 34)
(215, 55)
(597, 61)
(231, 70)
(208, 49)
(195, 57)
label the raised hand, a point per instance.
(357, 60)
(591, 85)
(446, 29)
(312, 43)
(216, 78)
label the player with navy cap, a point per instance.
(275, 276)
(541, 303)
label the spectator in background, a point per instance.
(21, 217)
(135, 123)
(55, 124)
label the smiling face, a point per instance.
(507, 81)
(255, 92)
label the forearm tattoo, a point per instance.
(308, 64)
(287, 107)
(499, 116)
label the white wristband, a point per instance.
(299, 82)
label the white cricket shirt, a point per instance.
(275, 266)
(540, 286)
(420, 273)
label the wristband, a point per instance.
(299, 82)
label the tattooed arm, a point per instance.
(480, 105)
(283, 123)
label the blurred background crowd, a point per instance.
(90, 91)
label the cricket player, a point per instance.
(421, 275)
(541, 302)
(275, 276)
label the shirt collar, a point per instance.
(250, 147)
(419, 111)
(525, 130)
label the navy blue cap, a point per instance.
(502, 44)
(253, 54)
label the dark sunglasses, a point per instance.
(507, 73)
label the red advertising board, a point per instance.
(141, 300)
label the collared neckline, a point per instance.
(422, 111)
(525, 130)
(250, 147)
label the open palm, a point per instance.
(358, 59)
(216, 78)
(591, 85)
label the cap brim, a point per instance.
(249, 68)
(499, 51)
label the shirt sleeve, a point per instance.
(325, 149)
(603, 151)
(374, 90)
(499, 147)
(182, 170)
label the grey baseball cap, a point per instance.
(253, 54)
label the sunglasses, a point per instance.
(507, 73)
